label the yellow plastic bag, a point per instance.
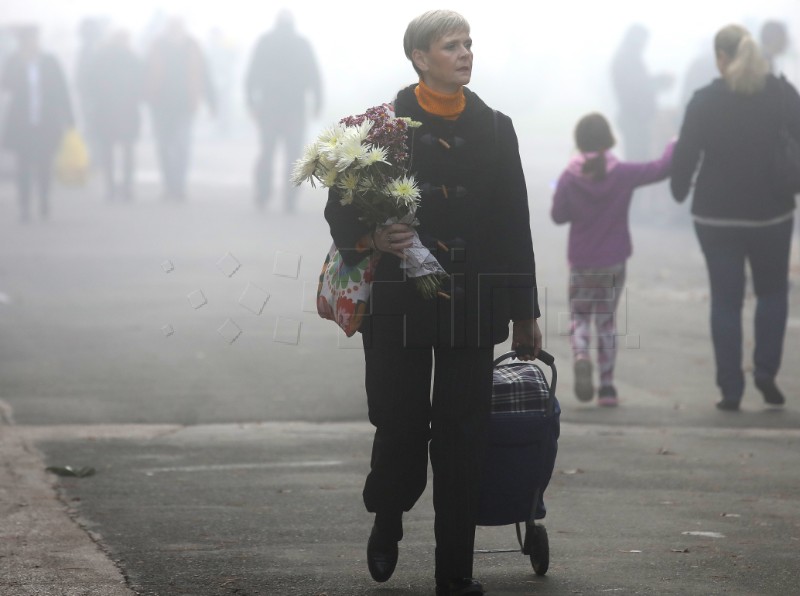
(72, 161)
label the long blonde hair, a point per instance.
(747, 72)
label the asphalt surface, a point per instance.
(235, 466)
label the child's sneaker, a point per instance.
(607, 397)
(584, 390)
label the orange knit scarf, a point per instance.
(447, 105)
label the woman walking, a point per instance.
(474, 217)
(741, 215)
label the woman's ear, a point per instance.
(419, 59)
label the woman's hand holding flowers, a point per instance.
(394, 239)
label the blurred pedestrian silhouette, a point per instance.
(91, 32)
(114, 91)
(281, 74)
(700, 73)
(224, 62)
(177, 81)
(39, 113)
(774, 42)
(636, 92)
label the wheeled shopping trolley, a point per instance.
(521, 453)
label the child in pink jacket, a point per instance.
(594, 196)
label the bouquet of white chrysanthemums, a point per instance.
(365, 158)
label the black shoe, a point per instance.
(584, 390)
(459, 587)
(382, 554)
(728, 405)
(768, 388)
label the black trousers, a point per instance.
(173, 133)
(402, 359)
(275, 130)
(727, 251)
(108, 147)
(34, 159)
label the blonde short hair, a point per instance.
(430, 26)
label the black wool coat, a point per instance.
(733, 137)
(474, 200)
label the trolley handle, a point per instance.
(545, 357)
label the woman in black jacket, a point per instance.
(474, 217)
(741, 214)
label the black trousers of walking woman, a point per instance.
(727, 249)
(404, 354)
(35, 156)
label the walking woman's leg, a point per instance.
(24, 175)
(43, 160)
(724, 251)
(398, 382)
(768, 251)
(461, 402)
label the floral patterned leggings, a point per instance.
(596, 292)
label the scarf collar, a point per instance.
(446, 105)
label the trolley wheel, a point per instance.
(538, 547)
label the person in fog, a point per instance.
(177, 81)
(224, 65)
(91, 32)
(774, 42)
(636, 91)
(465, 146)
(593, 196)
(281, 75)
(740, 215)
(38, 115)
(701, 71)
(114, 87)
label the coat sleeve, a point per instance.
(687, 151)
(346, 229)
(793, 110)
(657, 170)
(518, 245)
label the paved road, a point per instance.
(236, 467)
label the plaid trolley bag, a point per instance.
(521, 453)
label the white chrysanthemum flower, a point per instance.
(374, 155)
(331, 136)
(360, 131)
(305, 167)
(329, 141)
(326, 160)
(404, 189)
(328, 177)
(366, 184)
(348, 151)
(349, 182)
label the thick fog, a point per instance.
(544, 65)
(96, 292)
